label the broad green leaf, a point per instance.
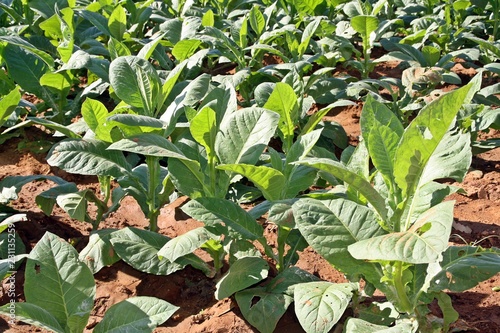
(34, 315)
(97, 20)
(185, 49)
(46, 8)
(381, 131)
(451, 159)
(266, 312)
(423, 243)
(95, 113)
(148, 144)
(242, 274)
(213, 211)
(88, 157)
(75, 204)
(463, 267)
(47, 199)
(188, 178)
(185, 243)
(306, 6)
(422, 137)
(27, 69)
(283, 101)
(320, 305)
(257, 20)
(331, 226)
(8, 104)
(135, 124)
(285, 282)
(300, 177)
(118, 49)
(65, 47)
(16, 40)
(307, 34)
(203, 129)
(268, 180)
(117, 23)
(208, 19)
(139, 249)
(365, 24)
(244, 134)
(136, 82)
(140, 314)
(60, 283)
(148, 49)
(356, 325)
(99, 252)
(357, 182)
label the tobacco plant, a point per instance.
(66, 298)
(392, 228)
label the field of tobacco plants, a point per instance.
(250, 166)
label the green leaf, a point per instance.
(331, 226)
(283, 101)
(16, 40)
(355, 181)
(244, 134)
(26, 69)
(257, 20)
(185, 49)
(139, 249)
(422, 137)
(58, 282)
(140, 314)
(364, 24)
(213, 211)
(8, 104)
(46, 8)
(285, 282)
(75, 204)
(423, 243)
(356, 325)
(185, 244)
(65, 47)
(268, 180)
(320, 305)
(262, 309)
(463, 267)
(99, 252)
(148, 144)
(95, 113)
(300, 177)
(34, 315)
(136, 82)
(88, 157)
(242, 274)
(381, 131)
(203, 129)
(208, 19)
(187, 177)
(117, 23)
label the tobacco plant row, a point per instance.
(212, 100)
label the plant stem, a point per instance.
(404, 303)
(152, 163)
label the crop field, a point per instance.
(250, 166)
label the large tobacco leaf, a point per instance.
(244, 135)
(88, 157)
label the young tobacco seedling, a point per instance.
(392, 230)
(66, 298)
